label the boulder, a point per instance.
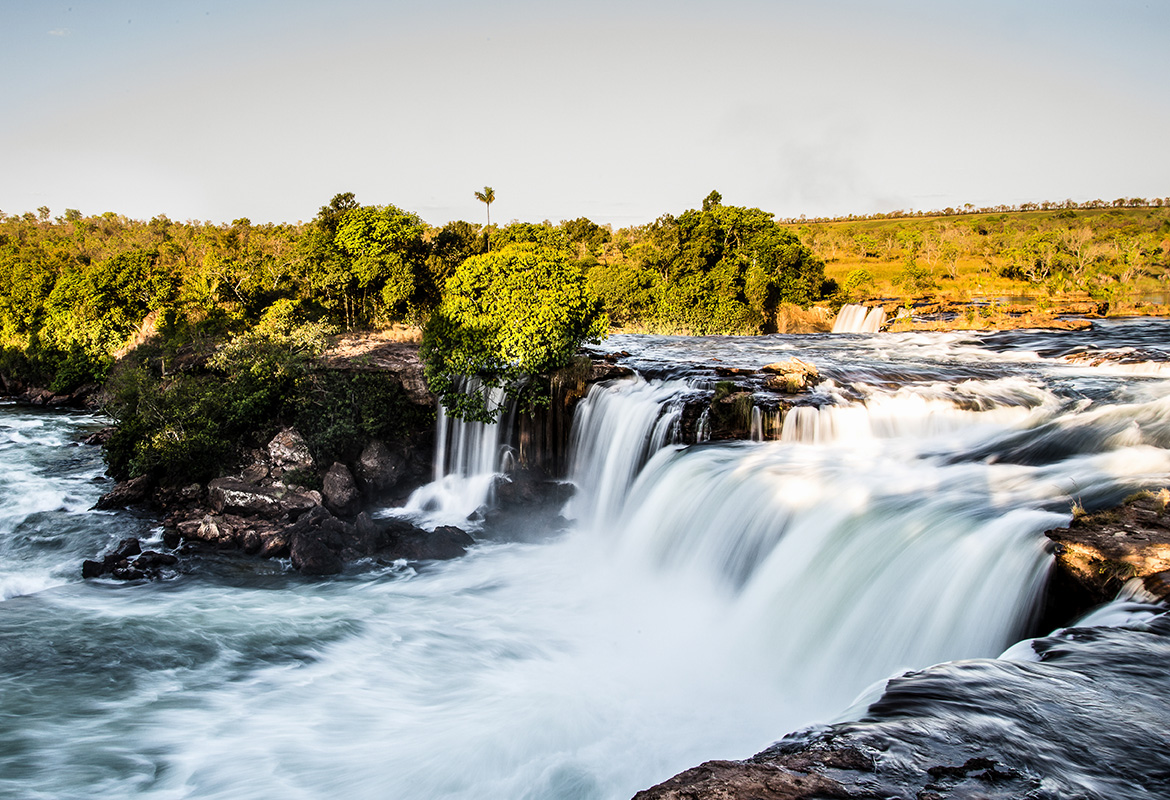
(443, 543)
(379, 468)
(790, 376)
(288, 451)
(215, 531)
(312, 556)
(340, 490)
(238, 496)
(125, 493)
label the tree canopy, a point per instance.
(514, 312)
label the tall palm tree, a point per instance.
(487, 196)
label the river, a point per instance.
(699, 603)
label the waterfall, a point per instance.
(854, 318)
(821, 549)
(468, 457)
(757, 426)
(616, 428)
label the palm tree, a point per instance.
(487, 196)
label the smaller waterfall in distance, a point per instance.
(854, 318)
(757, 429)
(468, 456)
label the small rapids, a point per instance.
(700, 601)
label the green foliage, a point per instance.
(507, 315)
(190, 426)
(339, 412)
(915, 277)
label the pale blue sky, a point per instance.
(619, 111)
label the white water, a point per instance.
(708, 600)
(468, 458)
(616, 428)
(853, 318)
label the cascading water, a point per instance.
(853, 318)
(468, 457)
(616, 428)
(706, 600)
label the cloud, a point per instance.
(59, 32)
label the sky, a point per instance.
(617, 111)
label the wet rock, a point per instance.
(315, 541)
(151, 559)
(311, 556)
(126, 493)
(128, 562)
(379, 468)
(1103, 550)
(288, 451)
(443, 543)
(340, 491)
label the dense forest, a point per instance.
(224, 321)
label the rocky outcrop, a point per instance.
(382, 352)
(240, 496)
(129, 562)
(799, 776)
(126, 493)
(1103, 550)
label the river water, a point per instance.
(700, 603)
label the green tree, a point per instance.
(507, 315)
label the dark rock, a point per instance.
(340, 491)
(441, 544)
(379, 468)
(125, 493)
(92, 569)
(126, 548)
(250, 542)
(312, 556)
(152, 560)
(128, 573)
(100, 437)
(273, 544)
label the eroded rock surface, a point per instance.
(1103, 550)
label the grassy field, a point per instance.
(1044, 260)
